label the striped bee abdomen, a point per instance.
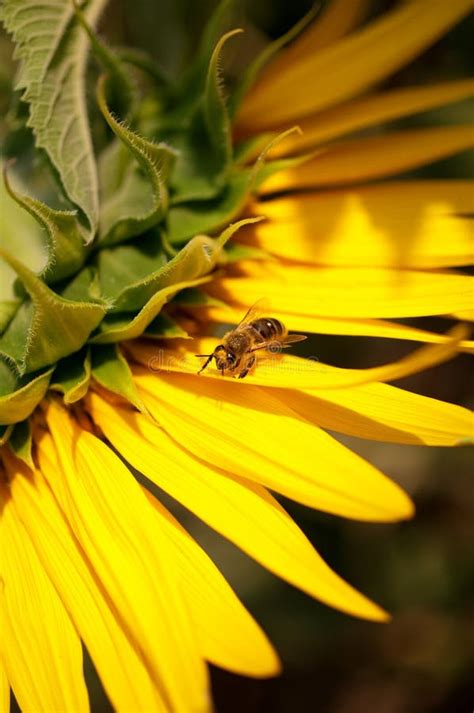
(268, 328)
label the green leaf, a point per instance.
(111, 370)
(147, 200)
(46, 327)
(72, 376)
(19, 404)
(164, 327)
(119, 327)
(85, 287)
(65, 246)
(21, 443)
(53, 50)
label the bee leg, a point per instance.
(250, 362)
(209, 359)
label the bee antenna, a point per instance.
(203, 355)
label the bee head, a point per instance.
(225, 359)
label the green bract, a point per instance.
(144, 215)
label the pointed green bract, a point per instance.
(21, 443)
(111, 370)
(72, 376)
(156, 161)
(164, 327)
(53, 50)
(23, 400)
(65, 245)
(46, 327)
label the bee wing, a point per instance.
(293, 338)
(254, 312)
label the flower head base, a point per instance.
(163, 244)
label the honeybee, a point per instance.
(236, 353)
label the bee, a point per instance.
(236, 354)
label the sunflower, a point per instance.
(99, 373)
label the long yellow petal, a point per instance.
(362, 293)
(253, 434)
(41, 649)
(289, 372)
(324, 325)
(118, 663)
(337, 20)
(228, 635)
(115, 525)
(399, 224)
(319, 80)
(370, 110)
(4, 690)
(382, 412)
(364, 159)
(242, 511)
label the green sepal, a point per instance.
(255, 67)
(21, 443)
(235, 252)
(5, 433)
(19, 404)
(206, 217)
(204, 141)
(72, 376)
(111, 370)
(156, 161)
(119, 327)
(65, 245)
(46, 327)
(164, 327)
(85, 287)
(197, 298)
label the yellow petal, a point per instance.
(321, 79)
(362, 293)
(385, 413)
(238, 509)
(370, 110)
(228, 635)
(41, 649)
(364, 159)
(399, 224)
(253, 434)
(286, 371)
(4, 690)
(323, 325)
(118, 663)
(115, 525)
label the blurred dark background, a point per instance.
(421, 571)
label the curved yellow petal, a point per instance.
(255, 435)
(4, 690)
(364, 159)
(324, 325)
(370, 110)
(287, 371)
(115, 525)
(381, 412)
(41, 650)
(361, 293)
(397, 224)
(228, 635)
(242, 511)
(321, 79)
(118, 663)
